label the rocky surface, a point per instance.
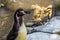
(53, 26)
(47, 31)
(42, 36)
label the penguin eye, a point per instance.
(18, 15)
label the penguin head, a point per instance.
(21, 12)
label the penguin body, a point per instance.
(18, 31)
(22, 33)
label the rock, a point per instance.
(42, 36)
(29, 24)
(53, 26)
(29, 30)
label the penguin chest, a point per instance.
(22, 33)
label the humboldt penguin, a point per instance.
(18, 31)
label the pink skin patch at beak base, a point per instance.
(23, 12)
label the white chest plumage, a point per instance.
(22, 33)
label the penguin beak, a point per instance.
(25, 12)
(28, 11)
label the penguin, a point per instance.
(19, 31)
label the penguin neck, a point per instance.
(18, 21)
